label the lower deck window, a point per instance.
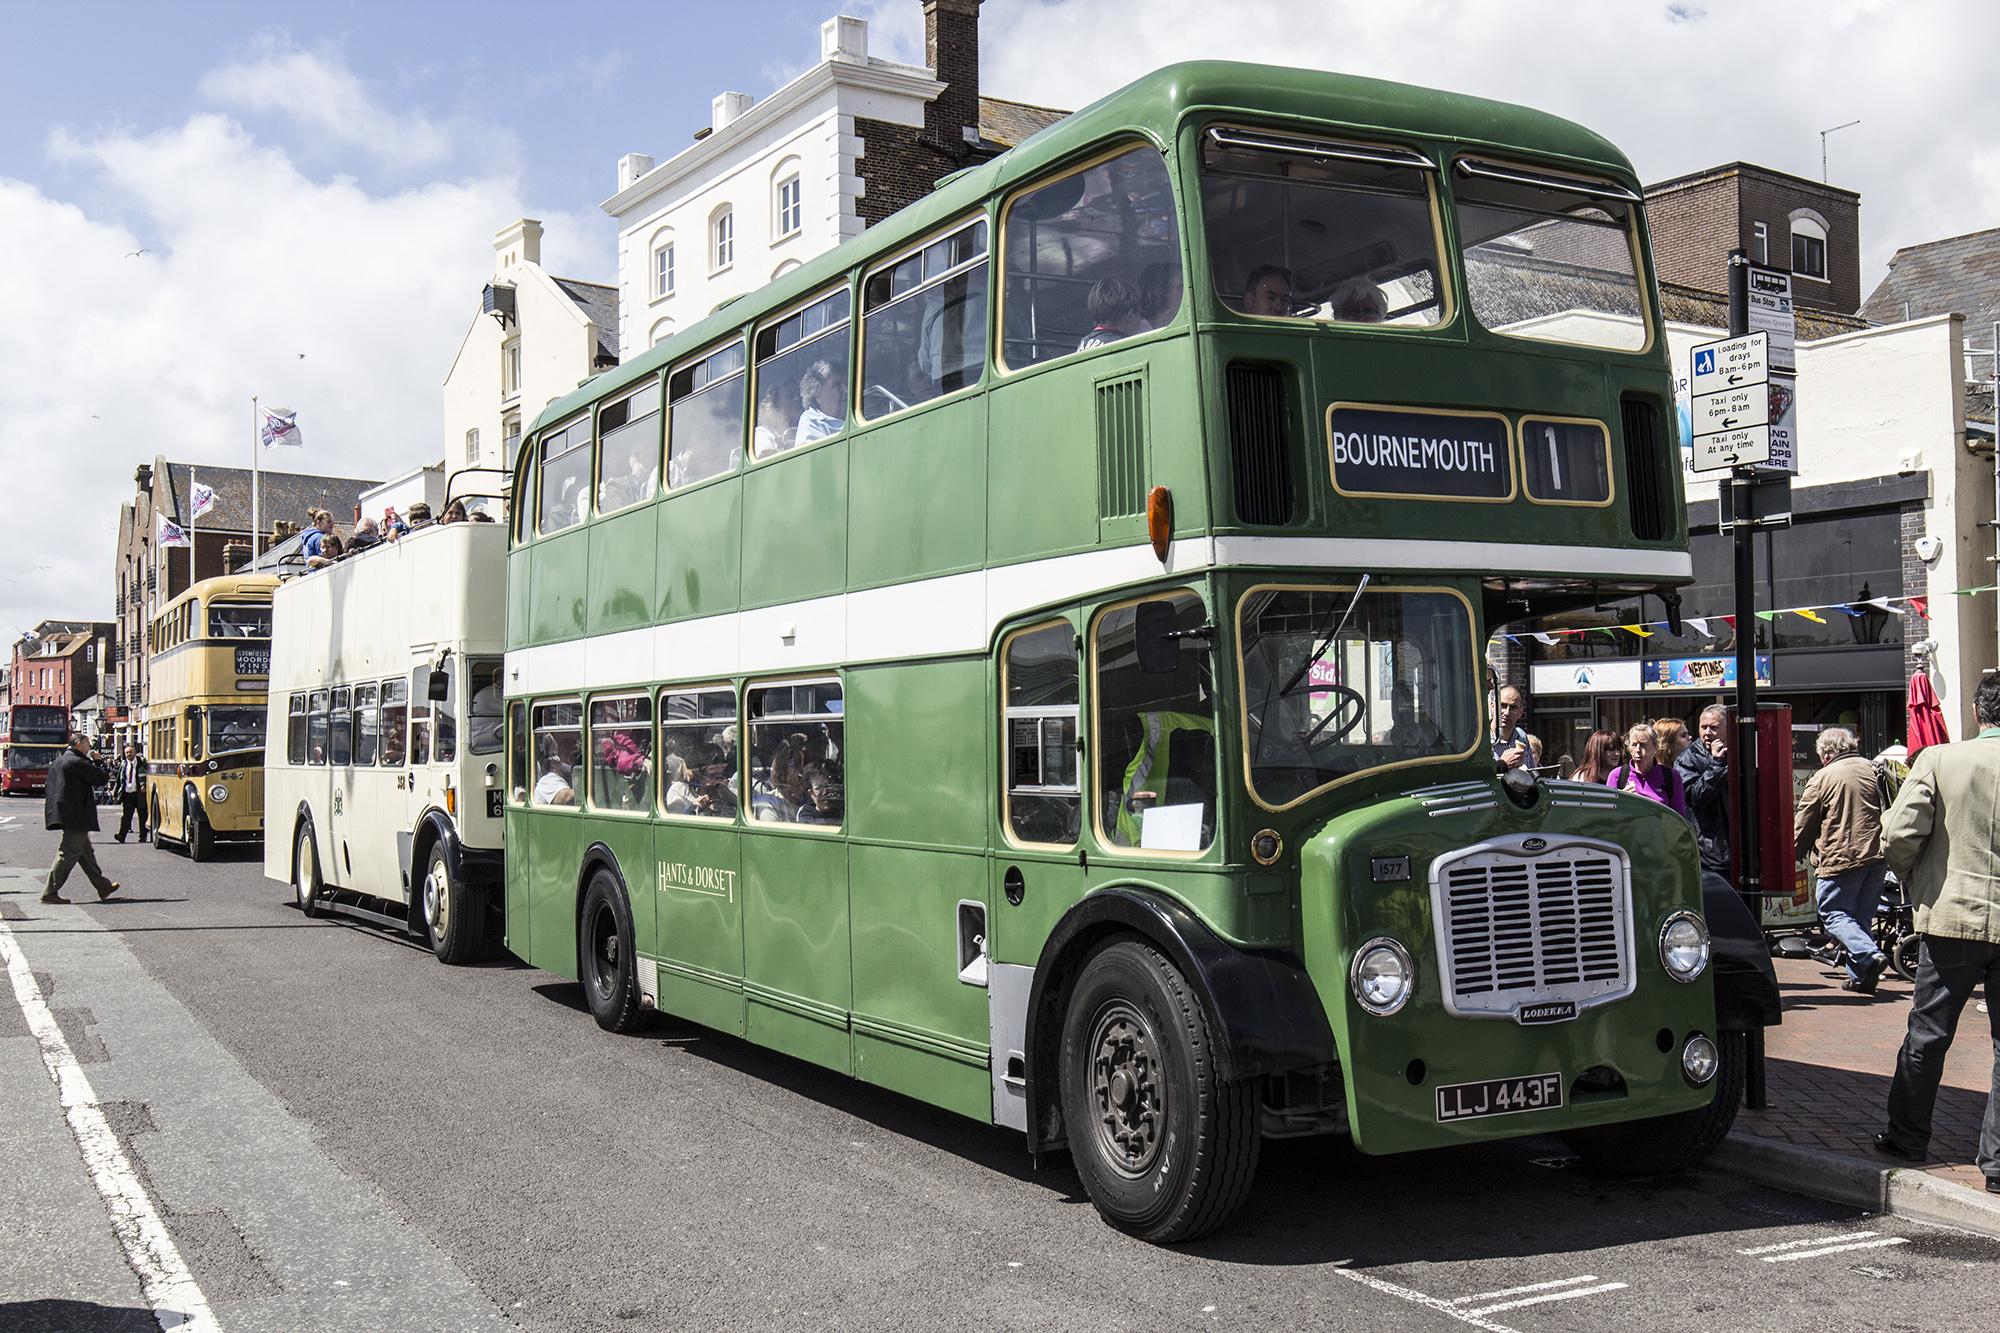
(797, 759)
(1044, 802)
(698, 753)
(1155, 711)
(621, 754)
(558, 750)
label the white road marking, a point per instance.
(178, 1304)
(1537, 1293)
(1810, 1240)
(1835, 1249)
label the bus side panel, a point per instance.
(919, 486)
(375, 803)
(622, 564)
(697, 887)
(520, 935)
(917, 1027)
(631, 843)
(519, 575)
(556, 587)
(554, 852)
(1042, 495)
(917, 762)
(795, 945)
(795, 526)
(700, 550)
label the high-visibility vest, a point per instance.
(1148, 769)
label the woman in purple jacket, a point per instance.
(1646, 775)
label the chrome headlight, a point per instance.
(1699, 1060)
(1684, 946)
(1382, 976)
(218, 793)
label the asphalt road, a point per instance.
(336, 1131)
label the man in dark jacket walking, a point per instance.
(131, 793)
(74, 778)
(1704, 770)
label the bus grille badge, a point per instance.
(1557, 1011)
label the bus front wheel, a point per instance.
(453, 915)
(200, 837)
(1166, 1149)
(305, 872)
(606, 963)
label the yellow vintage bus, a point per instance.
(211, 651)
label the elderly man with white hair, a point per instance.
(1840, 817)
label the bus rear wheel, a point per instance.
(200, 837)
(305, 872)
(1665, 1144)
(454, 918)
(1166, 1149)
(606, 962)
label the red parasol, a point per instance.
(1926, 718)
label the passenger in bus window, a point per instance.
(554, 785)
(820, 801)
(823, 389)
(778, 409)
(1114, 306)
(1268, 291)
(1159, 294)
(1359, 302)
(620, 490)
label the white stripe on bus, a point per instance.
(957, 613)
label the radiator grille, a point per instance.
(1258, 454)
(1517, 929)
(1645, 469)
(1121, 447)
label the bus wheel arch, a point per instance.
(444, 909)
(197, 836)
(607, 960)
(1264, 1011)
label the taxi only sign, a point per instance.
(1731, 403)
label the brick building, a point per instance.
(59, 662)
(768, 185)
(1788, 222)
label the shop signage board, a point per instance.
(1585, 676)
(1701, 673)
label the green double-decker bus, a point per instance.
(1144, 498)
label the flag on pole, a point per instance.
(203, 500)
(172, 533)
(281, 427)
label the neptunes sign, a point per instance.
(1427, 454)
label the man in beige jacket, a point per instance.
(1840, 818)
(1942, 838)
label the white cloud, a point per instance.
(1678, 86)
(106, 361)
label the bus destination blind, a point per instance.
(1427, 455)
(253, 661)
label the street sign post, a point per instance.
(1731, 402)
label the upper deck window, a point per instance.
(628, 433)
(565, 481)
(924, 323)
(1323, 229)
(705, 417)
(227, 621)
(1336, 684)
(1549, 256)
(802, 375)
(1091, 257)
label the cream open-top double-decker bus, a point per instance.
(384, 770)
(211, 655)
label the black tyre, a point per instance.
(1905, 955)
(1166, 1149)
(454, 917)
(605, 961)
(1664, 1144)
(153, 829)
(200, 837)
(306, 884)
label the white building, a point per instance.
(769, 185)
(535, 338)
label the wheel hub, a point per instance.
(1126, 1089)
(435, 899)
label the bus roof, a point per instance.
(249, 587)
(1153, 105)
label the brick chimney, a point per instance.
(951, 49)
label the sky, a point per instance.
(202, 202)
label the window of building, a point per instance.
(472, 447)
(924, 323)
(791, 213)
(802, 375)
(705, 417)
(722, 239)
(797, 753)
(663, 270)
(621, 754)
(1154, 760)
(698, 753)
(662, 330)
(1760, 243)
(510, 368)
(1091, 257)
(510, 435)
(1808, 248)
(1044, 800)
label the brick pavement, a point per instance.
(1829, 1066)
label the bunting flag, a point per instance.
(281, 428)
(1634, 629)
(203, 500)
(1700, 626)
(1922, 606)
(1809, 615)
(1549, 639)
(1703, 625)
(172, 533)
(1766, 615)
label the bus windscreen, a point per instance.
(32, 756)
(240, 621)
(235, 729)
